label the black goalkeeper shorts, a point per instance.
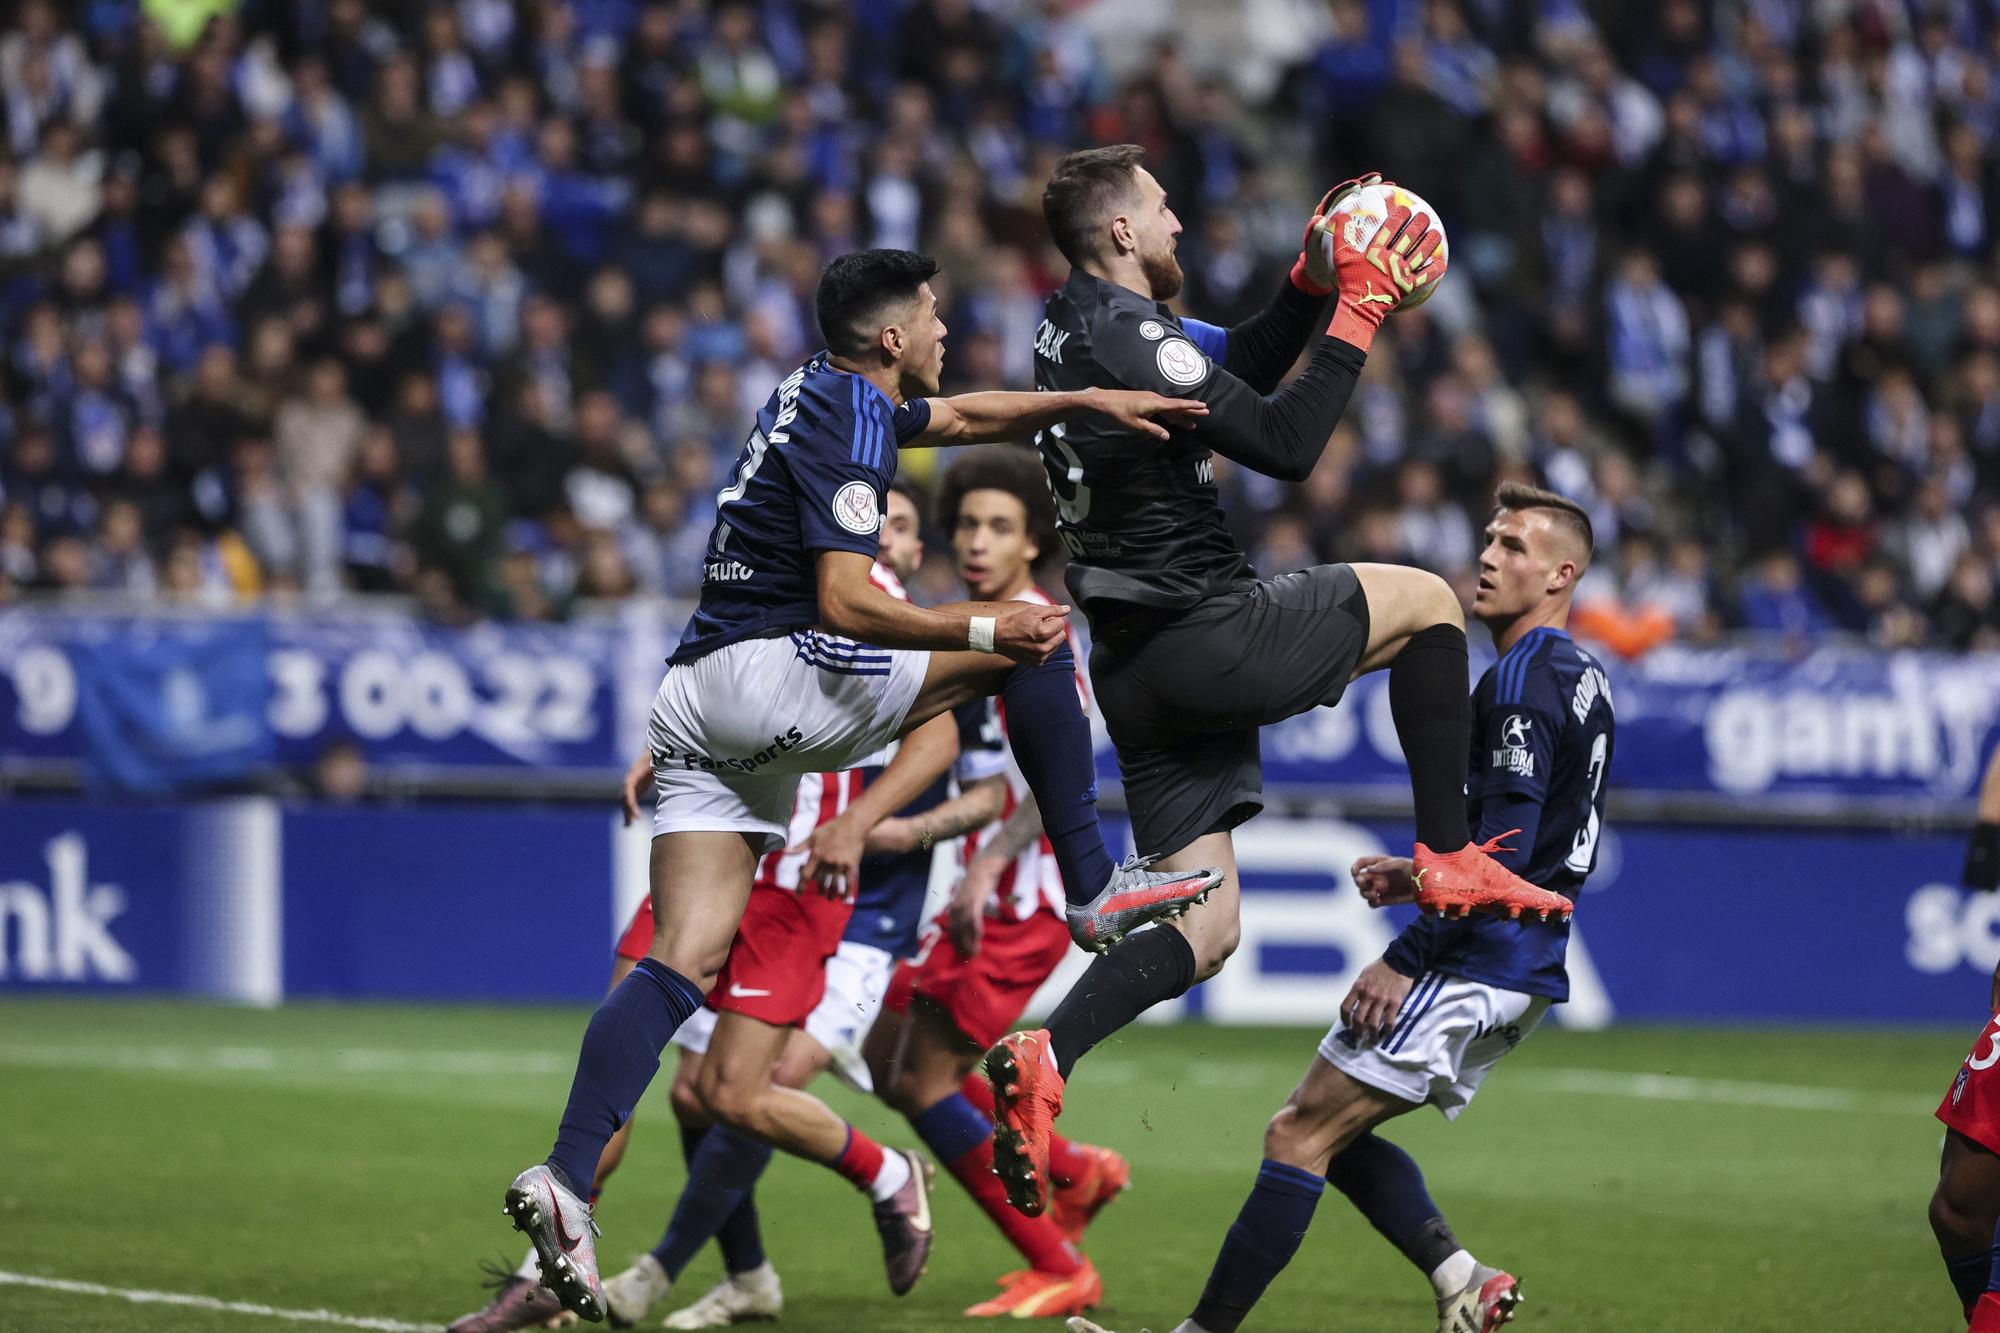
(1183, 693)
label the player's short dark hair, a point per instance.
(1518, 495)
(855, 289)
(912, 490)
(1001, 467)
(1083, 193)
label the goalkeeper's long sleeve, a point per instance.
(1283, 434)
(1263, 347)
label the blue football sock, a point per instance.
(1262, 1240)
(952, 1127)
(1971, 1272)
(724, 1171)
(1386, 1184)
(621, 1053)
(740, 1239)
(1050, 738)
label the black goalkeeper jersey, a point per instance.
(1140, 515)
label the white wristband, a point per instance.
(979, 633)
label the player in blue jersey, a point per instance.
(1425, 1023)
(803, 982)
(851, 981)
(795, 662)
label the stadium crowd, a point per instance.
(473, 300)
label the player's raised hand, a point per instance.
(632, 789)
(1374, 1000)
(1313, 272)
(1400, 259)
(1030, 634)
(1384, 880)
(1146, 412)
(965, 914)
(833, 857)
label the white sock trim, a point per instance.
(895, 1174)
(1454, 1274)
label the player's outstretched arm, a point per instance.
(977, 806)
(998, 416)
(851, 605)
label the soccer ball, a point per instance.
(1360, 216)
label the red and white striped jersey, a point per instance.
(823, 797)
(1032, 882)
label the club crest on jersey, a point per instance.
(854, 508)
(1152, 330)
(1958, 1085)
(1181, 363)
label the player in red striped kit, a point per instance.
(1965, 1207)
(1001, 936)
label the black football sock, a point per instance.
(1428, 699)
(1138, 972)
(1969, 1273)
(1387, 1186)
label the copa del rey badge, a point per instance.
(1181, 363)
(854, 508)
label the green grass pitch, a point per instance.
(352, 1159)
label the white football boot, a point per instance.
(561, 1227)
(740, 1298)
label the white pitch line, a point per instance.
(272, 1060)
(473, 1063)
(137, 1297)
(1732, 1092)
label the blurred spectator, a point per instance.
(340, 775)
(475, 301)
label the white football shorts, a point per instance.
(732, 732)
(1449, 1033)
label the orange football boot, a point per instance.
(1027, 1098)
(1457, 884)
(1028, 1294)
(1074, 1206)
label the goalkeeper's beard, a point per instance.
(1163, 275)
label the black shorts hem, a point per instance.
(1225, 811)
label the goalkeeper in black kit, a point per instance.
(1193, 652)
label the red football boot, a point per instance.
(1457, 884)
(1027, 1098)
(1076, 1204)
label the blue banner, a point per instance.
(1739, 724)
(1746, 726)
(494, 902)
(255, 899)
(172, 705)
(173, 898)
(1676, 924)
(413, 696)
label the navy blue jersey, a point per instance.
(1541, 743)
(813, 476)
(889, 907)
